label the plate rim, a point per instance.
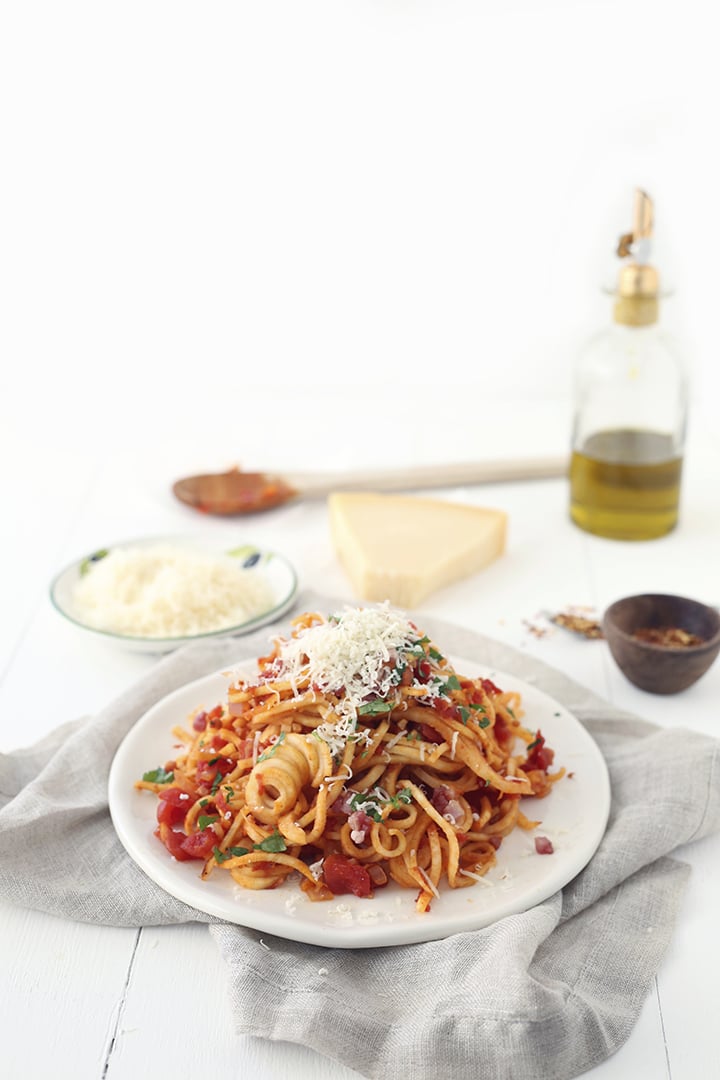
(370, 936)
(185, 639)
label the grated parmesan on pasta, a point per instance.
(165, 591)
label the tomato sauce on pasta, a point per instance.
(356, 756)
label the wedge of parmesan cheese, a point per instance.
(400, 548)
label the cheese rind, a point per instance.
(401, 548)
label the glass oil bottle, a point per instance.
(630, 407)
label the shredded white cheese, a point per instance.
(395, 739)
(352, 657)
(349, 652)
(429, 883)
(164, 591)
(477, 877)
(316, 868)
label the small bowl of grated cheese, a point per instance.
(155, 595)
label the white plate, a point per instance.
(573, 817)
(273, 568)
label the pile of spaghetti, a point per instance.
(355, 755)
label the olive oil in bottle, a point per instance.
(625, 484)
(630, 408)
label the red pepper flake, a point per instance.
(670, 637)
(579, 624)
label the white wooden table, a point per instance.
(81, 1002)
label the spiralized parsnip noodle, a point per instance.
(356, 755)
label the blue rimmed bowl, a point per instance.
(276, 572)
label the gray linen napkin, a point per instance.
(546, 994)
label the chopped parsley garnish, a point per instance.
(231, 853)
(269, 753)
(464, 714)
(206, 819)
(534, 743)
(158, 776)
(371, 804)
(476, 707)
(216, 782)
(484, 722)
(417, 648)
(365, 802)
(203, 802)
(376, 708)
(229, 793)
(453, 683)
(272, 843)
(434, 654)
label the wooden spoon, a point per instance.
(238, 492)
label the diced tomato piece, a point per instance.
(173, 842)
(489, 687)
(343, 875)
(173, 806)
(199, 845)
(541, 756)
(424, 670)
(447, 709)
(207, 772)
(501, 729)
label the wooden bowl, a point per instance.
(658, 668)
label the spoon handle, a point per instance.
(429, 476)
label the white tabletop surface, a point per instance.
(89, 1002)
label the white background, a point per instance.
(195, 197)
